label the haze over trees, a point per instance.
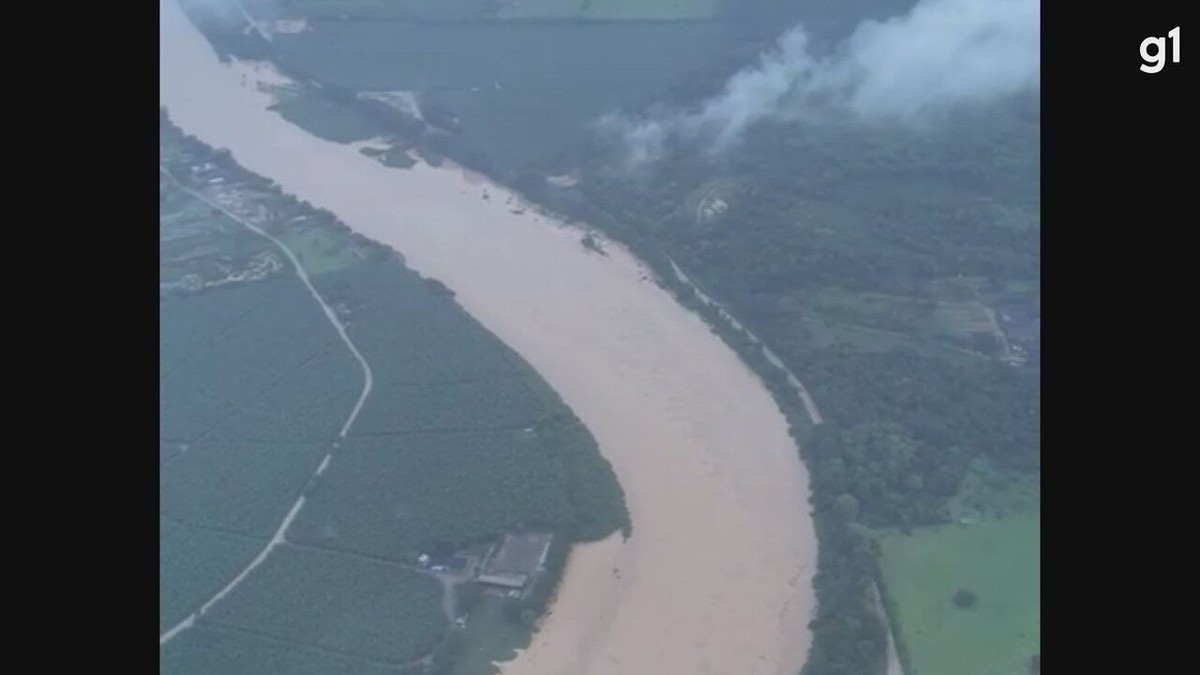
(866, 204)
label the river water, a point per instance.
(717, 577)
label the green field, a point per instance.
(998, 560)
(881, 321)
(320, 250)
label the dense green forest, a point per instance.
(908, 411)
(895, 269)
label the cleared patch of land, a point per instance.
(996, 560)
(321, 251)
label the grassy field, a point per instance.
(938, 323)
(999, 561)
(320, 250)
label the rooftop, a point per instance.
(520, 553)
(505, 580)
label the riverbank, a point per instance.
(717, 576)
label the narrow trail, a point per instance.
(279, 536)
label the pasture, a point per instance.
(999, 562)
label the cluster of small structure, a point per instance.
(508, 568)
(191, 262)
(1022, 324)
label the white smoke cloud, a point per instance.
(234, 13)
(943, 53)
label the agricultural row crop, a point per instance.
(194, 563)
(338, 602)
(501, 403)
(390, 496)
(208, 649)
(235, 485)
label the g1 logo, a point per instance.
(1155, 61)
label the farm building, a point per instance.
(456, 562)
(516, 561)
(452, 563)
(514, 581)
(523, 553)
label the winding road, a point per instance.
(279, 536)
